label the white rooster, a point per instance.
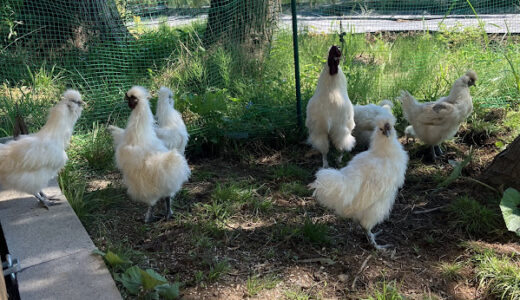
(365, 117)
(366, 188)
(329, 111)
(172, 130)
(435, 122)
(28, 163)
(150, 170)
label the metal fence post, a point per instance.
(296, 66)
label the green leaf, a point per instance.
(510, 206)
(99, 252)
(114, 259)
(151, 279)
(168, 291)
(457, 169)
(131, 279)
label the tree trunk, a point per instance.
(505, 168)
(56, 25)
(238, 21)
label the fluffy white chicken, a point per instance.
(366, 188)
(28, 163)
(150, 170)
(172, 130)
(329, 112)
(365, 117)
(435, 122)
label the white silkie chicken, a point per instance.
(329, 112)
(150, 170)
(365, 118)
(435, 122)
(366, 188)
(28, 163)
(172, 130)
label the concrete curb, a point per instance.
(54, 249)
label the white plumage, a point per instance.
(435, 122)
(366, 188)
(150, 170)
(172, 130)
(365, 118)
(329, 112)
(27, 164)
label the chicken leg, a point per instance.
(372, 239)
(438, 150)
(148, 217)
(169, 211)
(44, 200)
(325, 161)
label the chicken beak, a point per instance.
(387, 129)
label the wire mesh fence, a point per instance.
(230, 62)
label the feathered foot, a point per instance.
(44, 201)
(169, 211)
(51, 198)
(372, 239)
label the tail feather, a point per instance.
(347, 143)
(117, 134)
(329, 187)
(409, 105)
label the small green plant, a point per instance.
(217, 270)
(73, 188)
(138, 282)
(255, 284)
(316, 233)
(386, 291)
(297, 295)
(97, 148)
(450, 271)
(468, 214)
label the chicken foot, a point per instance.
(149, 217)
(372, 239)
(44, 200)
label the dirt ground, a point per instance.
(265, 252)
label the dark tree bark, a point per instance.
(238, 21)
(59, 25)
(505, 168)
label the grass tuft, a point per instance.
(469, 215)
(499, 274)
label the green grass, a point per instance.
(295, 188)
(474, 218)
(450, 271)
(297, 295)
(255, 284)
(499, 274)
(291, 172)
(315, 233)
(386, 291)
